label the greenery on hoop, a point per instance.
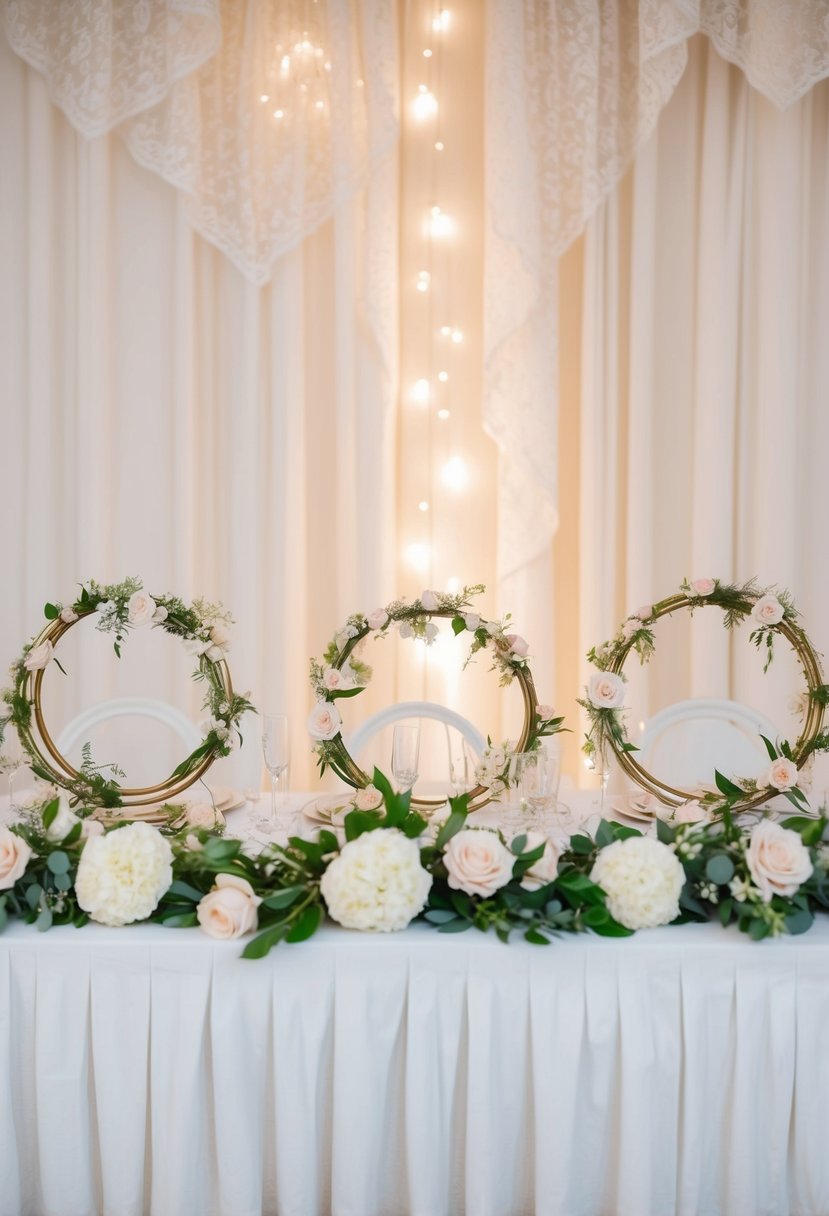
(769, 607)
(117, 609)
(343, 673)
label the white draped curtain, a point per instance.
(654, 387)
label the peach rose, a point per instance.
(777, 859)
(368, 799)
(140, 608)
(377, 619)
(333, 678)
(782, 775)
(68, 615)
(202, 815)
(472, 621)
(545, 712)
(703, 586)
(546, 868)
(91, 827)
(606, 690)
(14, 857)
(230, 909)
(767, 611)
(518, 646)
(160, 613)
(39, 657)
(220, 635)
(477, 862)
(324, 721)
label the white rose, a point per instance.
(630, 627)
(642, 881)
(493, 628)
(406, 630)
(333, 678)
(431, 633)
(376, 883)
(377, 619)
(90, 828)
(39, 657)
(777, 860)
(645, 612)
(68, 614)
(105, 606)
(429, 600)
(368, 799)
(220, 635)
(518, 646)
(606, 690)
(140, 608)
(767, 611)
(197, 646)
(14, 857)
(63, 823)
(782, 775)
(122, 875)
(477, 862)
(201, 815)
(545, 869)
(691, 811)
(324, 721)
(160, 613)
(472, 621)
(703, 586)
(345, 636)
(230, 909)
(545, 712)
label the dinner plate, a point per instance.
(641, 807)
(330, 809)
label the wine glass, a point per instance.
(276, 754)
(461, 764)
(11, 762)
(539, 779)
(405, 754)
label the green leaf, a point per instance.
(33, 894)
(612, 928)
(44, 920)
(217, 850)
(582, 845)
(518, 844)
(306, 925)
(724, 911)
(535, 938)
(51, 612)
(327, 841)
(284, 898)
(604, 834)
(727, 787)
(439, 916)
(264, 942)
(73, 835)
(357, 822)
(810, 830)
(179, 920)
(758, 929)
(458, 925)
(770, 748)
(413, 825)
(184, 890)
(453, 824)
(58, 862)
(50, 813)
(596, 916)
(345, 692)
(799, 920)
(719, 869)
(458, 625)
(4, 916)
(63, 882)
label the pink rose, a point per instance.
(645, 612)
(477, 862)
(630, 627)
(545, 712)
(202, 815)
(14, 857)
(546, 868)
(517, 645)
(377, 619)
(91, 827)
(777, 859)
(472, 621)
(160, 614)
(68, 615)
(324, 721)
(429, 600)
(606, 690)
(39, 657)
(781, 776)
(230, 909)
(333, 678)
(691, 811)
(703, 586)
(220, 635)
(368, 799)
(767, 611)
(140, 608)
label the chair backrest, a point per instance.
(129, 707)
(686, 742)
(414, 709)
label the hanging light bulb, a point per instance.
(440, 224)
(443, 377)
(423, 505)
(443, 414)
(441, 22)
(425, 105)
(421, 392)
(454, 474)
(279, 113)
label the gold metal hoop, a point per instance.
(347, 768)
(810, 663)
(58, 767)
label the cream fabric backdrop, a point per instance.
(163, 416)
(694, 382)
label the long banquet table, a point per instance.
(152, 1070)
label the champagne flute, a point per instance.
(11, 762)
(276, 754)
(405, 754)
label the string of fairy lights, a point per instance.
(430, 391)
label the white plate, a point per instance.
(641, 807)
(330, 809)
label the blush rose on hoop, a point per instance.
(344, 674)
(117, 609)
(772, 612)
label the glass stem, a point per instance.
(274, 779)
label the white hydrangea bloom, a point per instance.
(377, 882)
(122, 876)
(642, 880)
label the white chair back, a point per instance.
(473, 740)
(685, 743)
(129, 707)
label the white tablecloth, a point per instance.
(152, 1070)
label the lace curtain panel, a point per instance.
(265, 114)
(574, 87)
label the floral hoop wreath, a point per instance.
(116, 609)
(342, 673)
(773, 612)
